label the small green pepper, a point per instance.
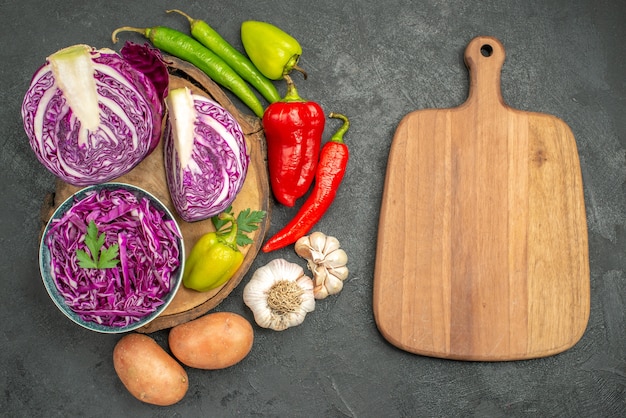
(273, 51)
(214, 259)
(210, 38)
(183, 46)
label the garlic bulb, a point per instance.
(279, 295)
(326, 261)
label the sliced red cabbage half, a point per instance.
(92, 115)
(206, 157)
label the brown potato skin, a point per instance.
(214, 341)
(148, 372)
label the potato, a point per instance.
(214, 341)
(149, 373)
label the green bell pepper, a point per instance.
(214, 259)
(273, 51)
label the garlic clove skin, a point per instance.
(340, 272)
(326, 282)
(317, 241)
(333, 284)
(303, 249)
(321, 293)
(308, 303)
(319, 275)
(331, 245)
(263, 318)
(337, 258)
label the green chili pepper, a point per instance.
(186, 48)
(273, 51)
(210, 38)
(214, 259)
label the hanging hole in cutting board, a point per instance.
(486, 50)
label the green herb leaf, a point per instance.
(247, 221)
(85, 260)
(108, 257)
(98, 257)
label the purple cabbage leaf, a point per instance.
(149, 61)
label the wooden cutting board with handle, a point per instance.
(482, 249)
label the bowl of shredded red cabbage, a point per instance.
(111, 257)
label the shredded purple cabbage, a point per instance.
(148, 254)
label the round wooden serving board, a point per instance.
(150, 175)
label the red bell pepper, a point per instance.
(293, 132)
(330, 171)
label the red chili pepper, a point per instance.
(293, 130)
(330, 171)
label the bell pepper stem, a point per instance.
(292, 92)
(300, 70)
(338, 136)
(230, 237)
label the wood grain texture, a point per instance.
(150, 175)
(482, 244)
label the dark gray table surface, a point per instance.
(375, 62)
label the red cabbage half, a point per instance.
(92, 115)
(149, 256)
(206, 157)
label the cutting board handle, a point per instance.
(484, 57)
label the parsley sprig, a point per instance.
(247, 221)
(98, 257)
